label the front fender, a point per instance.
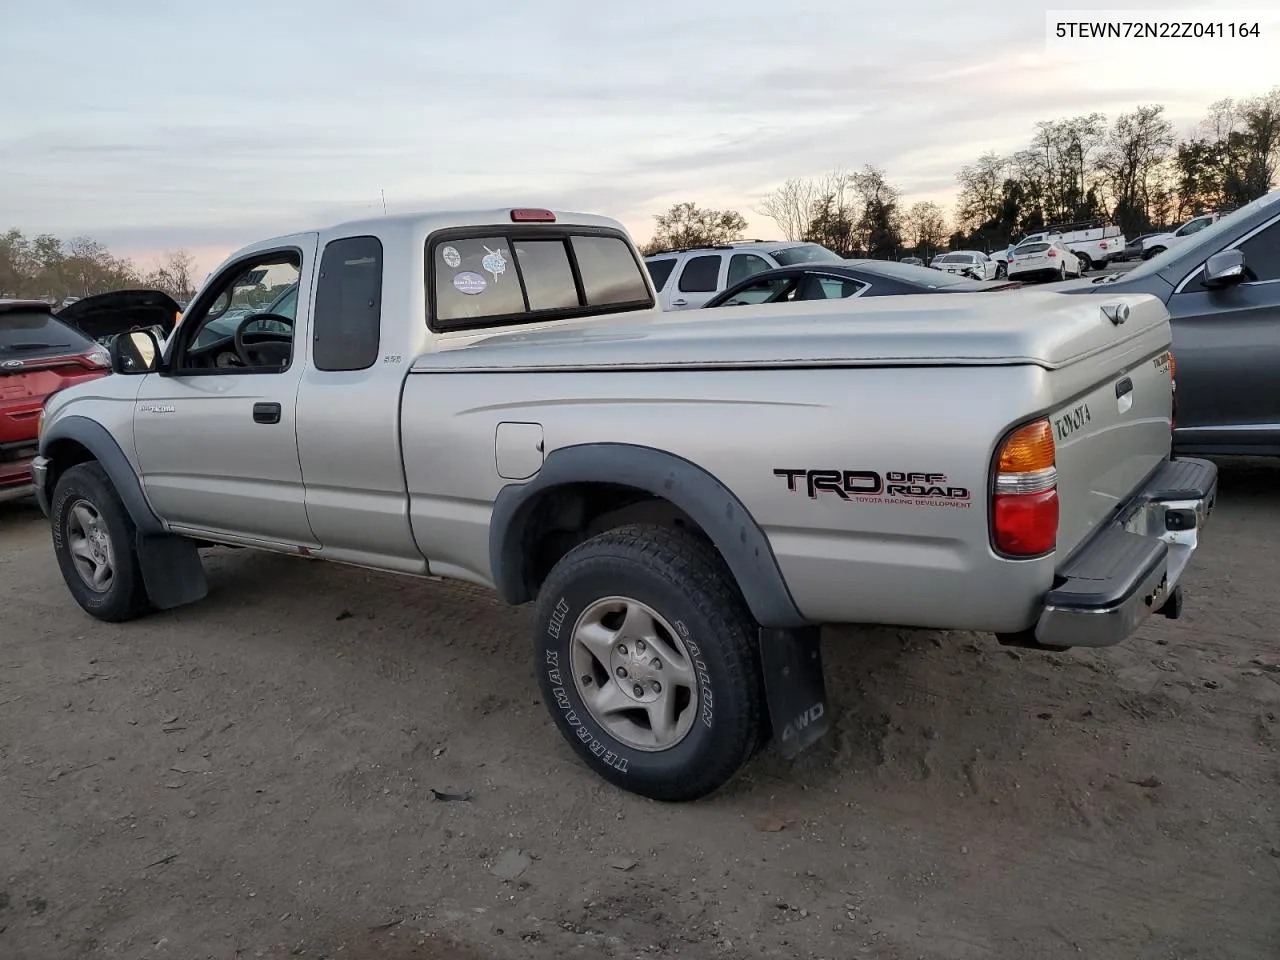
(98, 441)
(171, 569)
(702, 497)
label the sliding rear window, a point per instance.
(504, 276)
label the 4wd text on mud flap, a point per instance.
(802, 722)
(895, 485)
(1071, 421)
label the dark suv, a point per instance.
(1222, 289)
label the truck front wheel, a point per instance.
(647, 660)
(94, 540)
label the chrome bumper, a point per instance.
(1131, 568)
(39, 481)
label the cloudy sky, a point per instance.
(153, 124)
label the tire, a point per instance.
(1086, 264)
(91, 525)
(1002, 272)
(676, 590)
(1062, 272)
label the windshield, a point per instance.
(285, 305)
(36, 334)
(804, 253)
(924, 276)
(1203, 238)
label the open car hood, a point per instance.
(107, 315)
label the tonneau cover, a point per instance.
(1021, 326)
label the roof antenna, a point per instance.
(384, 202)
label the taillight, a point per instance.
(1052, 252)
(1024, 496)
(1102, 244)
(1173, 389)
(98, 357)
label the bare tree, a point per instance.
(1260, 119)
(981, 186)
(688, 225)
(791, 206)
(878, 228)
(175, 275)
(1134, 163)
(925, 225)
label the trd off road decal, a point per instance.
(914, 488)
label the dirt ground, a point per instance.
(253, 776)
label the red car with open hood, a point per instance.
(41, 352)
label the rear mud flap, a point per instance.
(171, 570)
(794, 687)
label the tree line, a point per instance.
(47, 268)
(1133, 171)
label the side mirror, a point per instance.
(1224, 269)
(135, 352)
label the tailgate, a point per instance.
(1110, 436)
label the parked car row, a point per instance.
(688, 278)
(1044, 260)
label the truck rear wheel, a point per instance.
(647, 660)
(94, 540)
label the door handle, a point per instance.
(266, 413)
(682, 302)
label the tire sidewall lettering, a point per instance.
(565, 702)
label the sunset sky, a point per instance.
(151, 125)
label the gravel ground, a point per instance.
(253, 776)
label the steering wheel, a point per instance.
(263, 348)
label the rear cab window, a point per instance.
(520, 274)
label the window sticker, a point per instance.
(470, 283)
(494, 262)
(451, 257)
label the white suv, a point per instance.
(689, 278)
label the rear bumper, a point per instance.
(16, 492)
(1131, 568)
(15, 479)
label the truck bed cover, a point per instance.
(1014, 327)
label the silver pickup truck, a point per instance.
(686, 498)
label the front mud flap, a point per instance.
(171, 570)
(794, 687)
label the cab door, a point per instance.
(215, 429)
(700, 277)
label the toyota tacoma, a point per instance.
(685, 498)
